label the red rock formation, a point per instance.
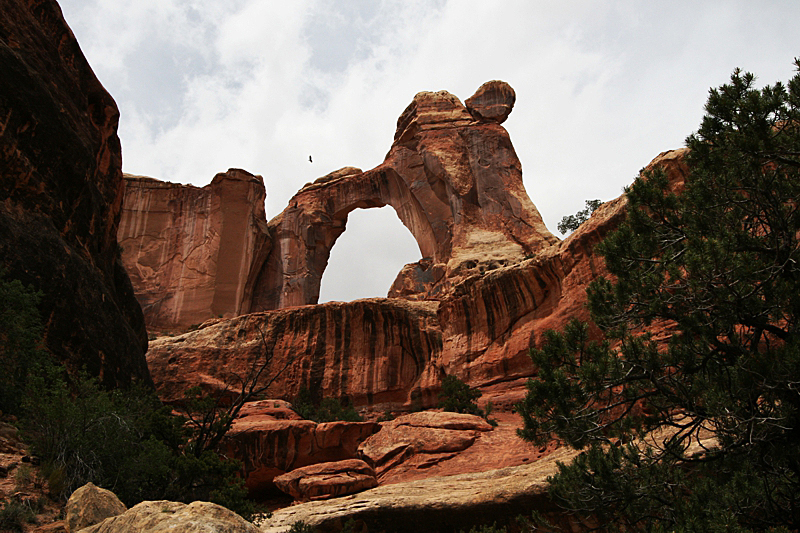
(61, 193)
(455, 182)
(432, 433)
(327, 480)
(271, 448)
(392, 352)
(193, 253)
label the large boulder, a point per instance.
(61, 191)
(327, 480)
(427, 432)
(168, 517)
(90, 505)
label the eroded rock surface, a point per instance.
(373, 351)
(270, 448)
(61, 191)
(449, 503)
(438, 435)
(327, 480)
(193, 253)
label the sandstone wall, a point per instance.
(192, 253)
(61, 192)
(394, 352)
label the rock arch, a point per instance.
(453, 179)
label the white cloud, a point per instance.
(602, 87)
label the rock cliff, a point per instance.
(193, 253)
(394, 352)
(61, 191)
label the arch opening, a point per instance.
(367, 256)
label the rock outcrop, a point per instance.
(193, 253)
(438, 435)
(328, 480)
(269, 448)
(167, 517)
(90, 505)
(61, 192)
(455, 182)
(450, 503)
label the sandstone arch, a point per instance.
(455, 182)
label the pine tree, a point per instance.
(719, 266)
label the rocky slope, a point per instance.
(61, 192)
(193, 253)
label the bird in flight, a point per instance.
(309, 159)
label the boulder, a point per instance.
(492, 102)
(167, 517)
(61, 191)
(90, 505)
(193, 252)
(429, 432)
(327, 480)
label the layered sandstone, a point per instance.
(393, 353)
(193, 253)
(327, 480)
(61, 194)
(449, 503)
(268, 449)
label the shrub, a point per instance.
(458, 397)
(14, 515)
(326, 410)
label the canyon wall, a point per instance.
(61, 192)
(192, 253)
(393, 353)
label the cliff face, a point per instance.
(394, 352)
(193, 253)
(61, 194)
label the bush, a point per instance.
(570, 223)
(14, 515)
(124, 441)
(20, 341)
(458, 397)
(326, 410)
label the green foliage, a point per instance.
(125, 441)
(570, 223)
(717, 267)
(458, 397)
(325, 410)
(14, 515)
(20, 340)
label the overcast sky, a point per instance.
(602, 88)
